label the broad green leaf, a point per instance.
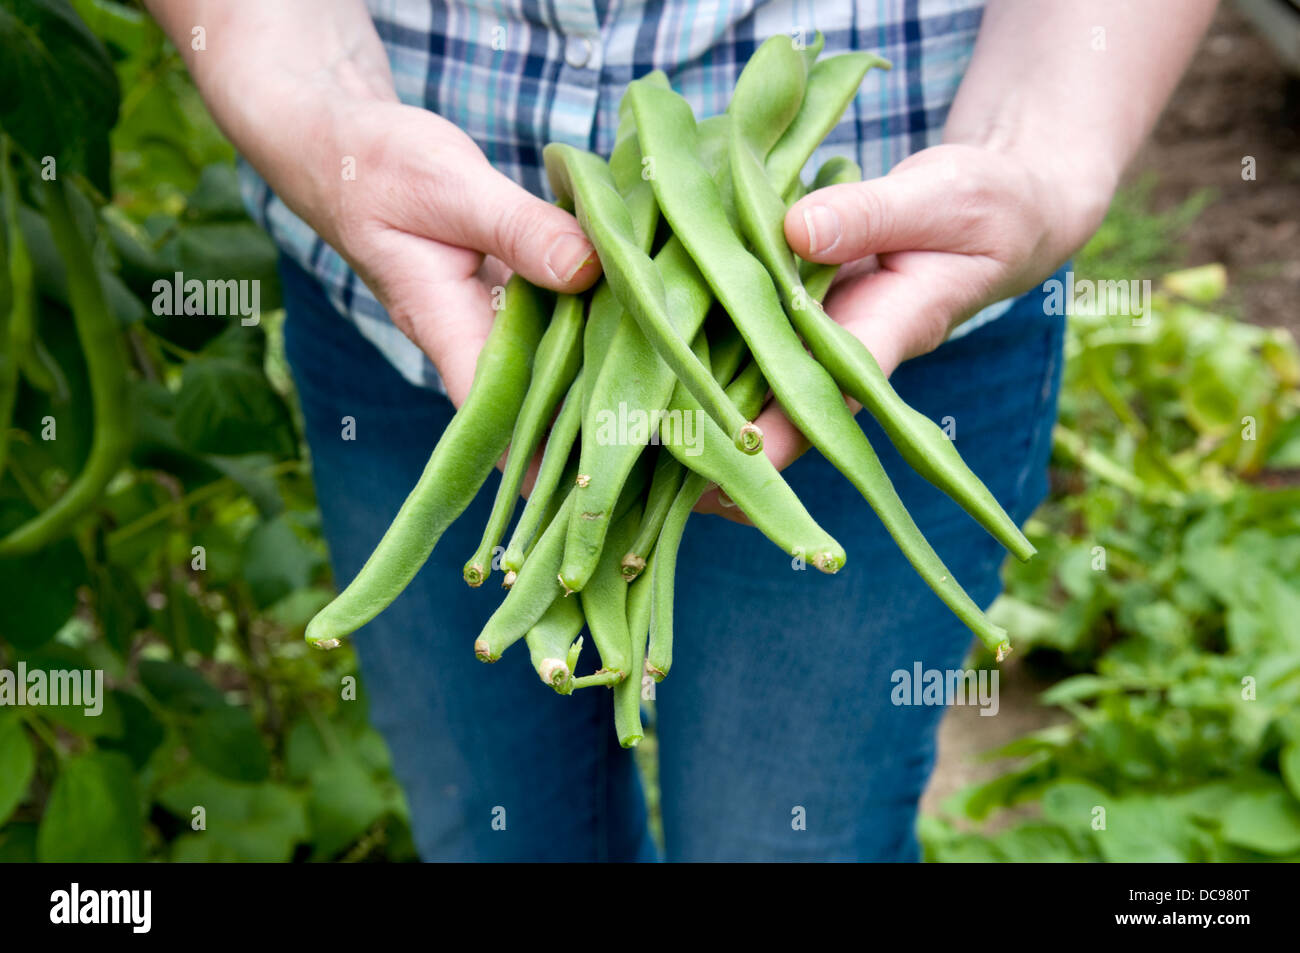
(31, 615)
(1267, 821)
(141, 732)
(61, 92)
(226, 741)
(179, 687)
(346, 801)
(259, 822)
(1290, 764)
(93, 813)
(1203, 284)
(185, 623)
(1042, 843)
(277, 561)
(17, 763)
(227, 406)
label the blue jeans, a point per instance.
(777, 736)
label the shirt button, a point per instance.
(577, 51)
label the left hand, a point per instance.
(948, 231)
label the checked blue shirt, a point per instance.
(517, 74)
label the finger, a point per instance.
(909, 306)
(431, 294)
(715, 503)
(484, 210)
(908, 209)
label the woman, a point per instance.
(397, 148)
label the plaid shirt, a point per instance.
(517, 74)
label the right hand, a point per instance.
(303, 89)
(432, 228)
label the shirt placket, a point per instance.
(577, 92)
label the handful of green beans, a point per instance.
(703, 311)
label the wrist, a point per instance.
(1074, 182)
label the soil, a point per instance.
(1236, 100)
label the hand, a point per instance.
(431, 228)
(304, 91)
(951, 229)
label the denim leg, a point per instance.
(778, 709)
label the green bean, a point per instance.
(554, 367)
(831, 85)
(664, 485)
(466, 453)
(918, 439)
(659, 655)
(597, 680)
(536, 588)
(816, 277)
(634, 376)
(689, 200)
(551, 641)
(753, 483)
(585, 179)
(604, 600)
(605, 314)
(106, 365)
(728, 352)
(531, 595)
(810, 51)
(559, 447)
(627, 693)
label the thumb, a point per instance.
(912, 208)
(908, 307)
(543, 243)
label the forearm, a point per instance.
(277, 77)
(1075, 86)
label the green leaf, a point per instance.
(1148, 830)
(17, 764)
(346, 801)
(1072, 804)
(226, 741)
(61, 92)
(246, 822)
(141, 732)
(277, 561)
(30, 615)
(216, 197)
(1289, 760)
(119, 605)
(1078, 688)
(295, 610)
(75, 718)
(93, 812)
(178, 687)
(1203, 284)
(1263, 821)
(227, 406)
(184, 622)
(18, 844)
(1042, 843)
(303, 749)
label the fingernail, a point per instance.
(567, 257)
(823, 228)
